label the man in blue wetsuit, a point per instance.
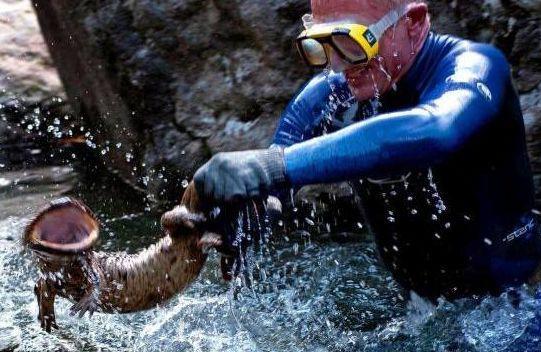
(430, 130)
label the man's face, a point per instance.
(380, 73)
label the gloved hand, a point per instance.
(241, 175)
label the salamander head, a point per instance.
(188, 222)
(62, 230)
(180, 222)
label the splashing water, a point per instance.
(249, 247)
(305, 296)
(337, 101)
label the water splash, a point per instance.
(307, 295)
(307, 302)
(248, 243)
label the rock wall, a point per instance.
(27, 72)
(165, 84)
(175, 81)
(30, 89)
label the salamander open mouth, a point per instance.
(65, 226)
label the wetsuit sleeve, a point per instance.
(306, 110)
(464, 93)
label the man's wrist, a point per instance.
(274, 165)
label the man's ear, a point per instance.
(418, 23)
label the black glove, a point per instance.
(241, 175)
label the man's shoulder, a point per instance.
(456, 47)
(452, 59)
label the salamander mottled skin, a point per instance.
(122, 283)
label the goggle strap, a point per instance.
(387, 21)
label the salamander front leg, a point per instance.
(90, 301)
(45, 294)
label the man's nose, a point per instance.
(336, 63)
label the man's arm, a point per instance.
(238, 175)
(462, 97)
(322, 95)
(465, 94)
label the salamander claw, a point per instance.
(86, 304)
(48, 322)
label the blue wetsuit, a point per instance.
(445, 180)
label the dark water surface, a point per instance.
(314, 295)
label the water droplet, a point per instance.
(329, 325)
(382, 69)
(414, 211)
(375, 86)
(185, 183)
(488, 241)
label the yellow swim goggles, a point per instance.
(355, 43)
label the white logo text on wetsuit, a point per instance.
(521, 231)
